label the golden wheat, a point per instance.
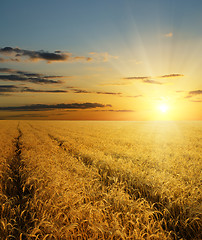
(100, 180)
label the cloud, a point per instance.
(42, 91)
(76, 90)
(196, 100)
(136, 78)
(168, 35)
(108, 93)
(45, 107)
(193, 94)
(147, 79)
(3, 60)
(7, 88)
(17, 89)
(171, 75)
(28, 115)
(21, 76)
(7, 70)
(196, 92)
(144, 79)
(152, 81)
(102, 57)
(114, 110)
(31, 55)
(56, 76)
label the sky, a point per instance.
(132, 60)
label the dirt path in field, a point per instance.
(18, 195)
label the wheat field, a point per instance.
(100, 180)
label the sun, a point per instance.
(163, 108)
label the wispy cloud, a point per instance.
(136, 78)
(149, 79)
(144, 79)
(21, 76)
(152, 81)
(196, 92)
(135, 96)
(114, 110)
(102, 57)
(196, 100)
(2, 60)
(168, 35)
(45, 107)
(77, 90)
(19, 89)
(7, 88)
(42, 91)
(173, 75)
(18, 54)
(28, 116)
(25, 89)
(193, 94)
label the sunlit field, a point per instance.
(100, 180)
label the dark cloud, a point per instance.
(196, 92)
(136, 78)
(17, 89)
(173, 75)
(28, 116)
(7, 88)
(36, 75)
(55, 76)
(21, 76)
(121, 110)
(41, 55)
(76, 90)
(42, 91)
(24, 78)
(144, 80)
(192, 94)
(45, 107)
(152, 81)
(6, 70)
(108, 93)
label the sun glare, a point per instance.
(163, 108)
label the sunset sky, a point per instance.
(101, 60)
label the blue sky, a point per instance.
(78, 24)
(122, 38)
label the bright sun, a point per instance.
(163, 108)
